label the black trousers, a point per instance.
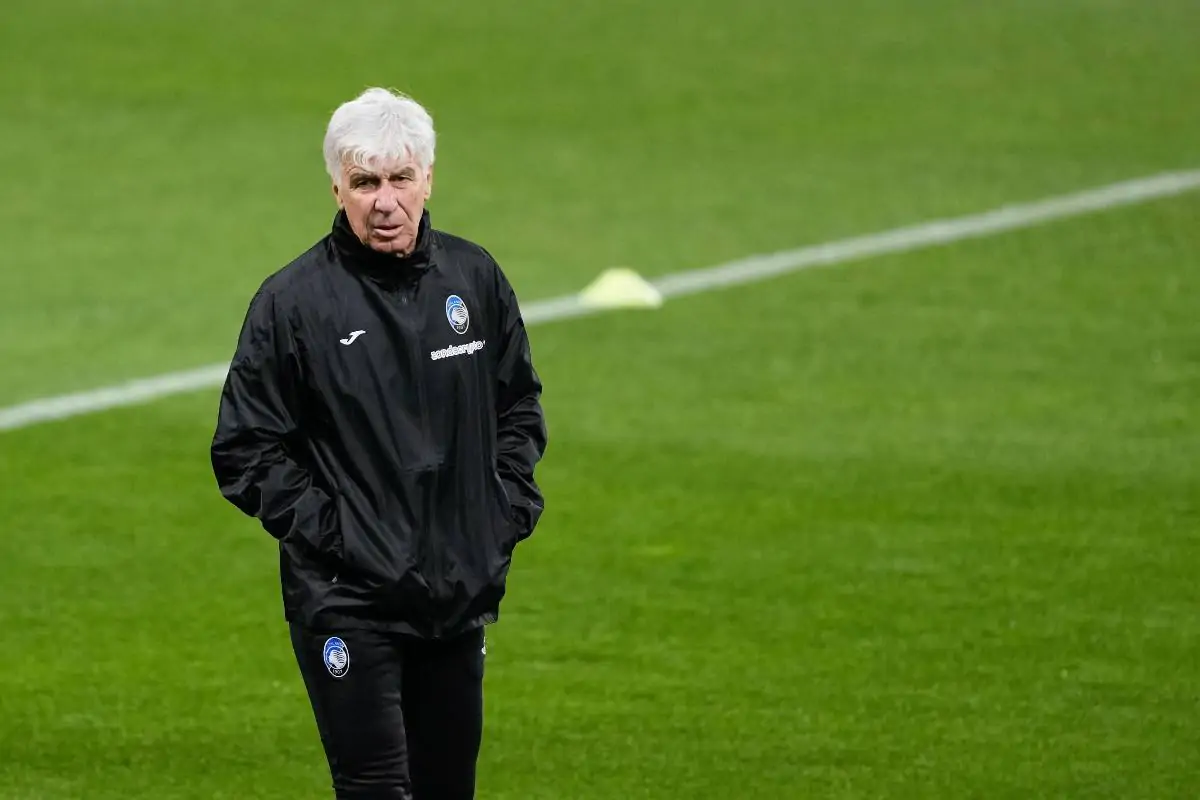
(400, 718)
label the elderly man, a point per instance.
(382, 420)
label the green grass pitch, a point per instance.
(923, 526)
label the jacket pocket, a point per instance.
(374, 546)
(508, 529)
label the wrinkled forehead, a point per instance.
(374, 164)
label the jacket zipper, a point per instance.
(407, 301)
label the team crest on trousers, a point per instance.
(457, 314)
(337, 657)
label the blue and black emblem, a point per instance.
(457, 315)
(337, 657)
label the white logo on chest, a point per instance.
(468, 349)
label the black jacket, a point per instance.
(382, 419)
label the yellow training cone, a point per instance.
(621, 287)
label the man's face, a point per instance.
(384, 202)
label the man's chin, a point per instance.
(397, 246)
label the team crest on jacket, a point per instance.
(456, 313)
(337, 657)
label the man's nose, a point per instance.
(387, 200)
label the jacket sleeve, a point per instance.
(257, 431)
(521, 427)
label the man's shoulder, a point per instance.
(464, 250)
(296, 278)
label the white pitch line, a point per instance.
(943, 231)
(745, 270)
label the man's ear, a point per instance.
(429, 182)
(337, 195)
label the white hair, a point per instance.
(378, 125)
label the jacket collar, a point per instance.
(382, 266)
